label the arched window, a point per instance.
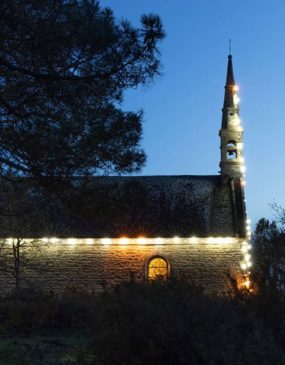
(157, 267)
(231, 150)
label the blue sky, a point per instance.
(183, 107)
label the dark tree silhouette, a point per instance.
(22, 259)
(64, 67)
(269, 257)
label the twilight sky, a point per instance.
(183, 107)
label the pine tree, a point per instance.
(64, 68)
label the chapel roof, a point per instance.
(152, 206)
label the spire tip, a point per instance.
(230, 47)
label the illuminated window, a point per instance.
(231, 150)
(157, 267)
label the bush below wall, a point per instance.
(156, 323)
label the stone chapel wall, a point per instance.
(88, 266)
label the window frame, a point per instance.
(149, 260)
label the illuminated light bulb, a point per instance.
(236, 88)
(123, 240)
(194, 239)
(244, 249)
(247, 283)
(89, 241)
(158, 241)
(141, 240)
(240, 145)
(176, 239)
(216, 240)
(249, 264)
(243, 265)
(71, 241)
(249, 247)
(242, 169)
(248, 221)
(53, 240)
(45, 239)
(10, 241)
(231, 240)
(106, 241)
(247, 257)
(236, 99)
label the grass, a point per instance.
(59, 349)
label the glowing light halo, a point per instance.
(106, 241)
(158, 241)
(10, 240)
(53, 240)
(142, 240)
(176, 239)
(71, 241)
(193, 239)
(123, 240)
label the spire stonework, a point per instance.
(231, 132)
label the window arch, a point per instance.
(157, 267)
(231, 150)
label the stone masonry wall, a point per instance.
(88, 266)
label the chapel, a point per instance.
(145, 227)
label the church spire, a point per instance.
(230, 72)
(232, 162)
(230, 92)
